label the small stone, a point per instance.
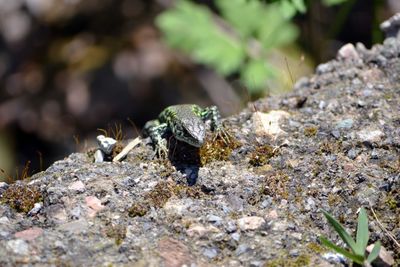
(36, 208)
(94, 205)
(216, 220)
(324, 68)
(98, 156)
(345, 124)
(242, 248)
(4, 220)
(336, 134)
(76, 212)
(77, 186)
(235, 236)
(370, 135)
(334, 258)
(391, 26)
(384, 258)
(352, 153)
(374, 154)
(106, 144)
(174, 253)
(75, 227)
(210, 253)
(268, 123)
(3, 185)
(231, 227)
(18, 246)
(272, 215)
(201, 230)
(310, 204)
(29, 234)
(250, 223)
(348, 52)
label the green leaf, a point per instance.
(190, 28)
(256, 73)
(333, 2)
(299, 5)
(288, 10)
(362, 236)
(245, 16)
(374, 253)
(341, 231)
(355, 258)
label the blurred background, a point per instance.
(71, 67)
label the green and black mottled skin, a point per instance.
(185, 122)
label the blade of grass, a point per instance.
(362, 233)
(355, 258)
(375, 252)
(341, 231)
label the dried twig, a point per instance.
(383, 228)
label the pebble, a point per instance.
(94, 205)
(250, 223)
(348, 52)
(391, 26)
(36, 208)
(77, 186)
(268, 123)
(242, 248)
(235, 236)
(216, 220)
(324, 68)
(231, 227)
(18, 246)
(210, 253)
(370, 135)
(3, 185)
(384, 258)
(29, 234)
(345, 124)
(352, 153)
(98, 156)
(4, 220)
(106, 144)
(334, 258)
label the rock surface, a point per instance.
(338, 148)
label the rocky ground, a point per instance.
(336, 146)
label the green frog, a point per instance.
(185, 122)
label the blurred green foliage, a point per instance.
(238, 39)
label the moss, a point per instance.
(118, 232)
(261, 155)
(391, 202)
(138, 209)
(160, 195)
(314, 247)
(329, 147)
(218, 148)
(275, 185)
(21, 197)
(333, 199)
(302, 260)
(310, 131)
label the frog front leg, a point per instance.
(156, 130)
(212, 114)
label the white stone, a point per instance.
(98, 156)
(18, 246)
(348, 51)
(370, 135)
(268, 123)
(250, 223)
(106, 144)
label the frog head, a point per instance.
(191, 130)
